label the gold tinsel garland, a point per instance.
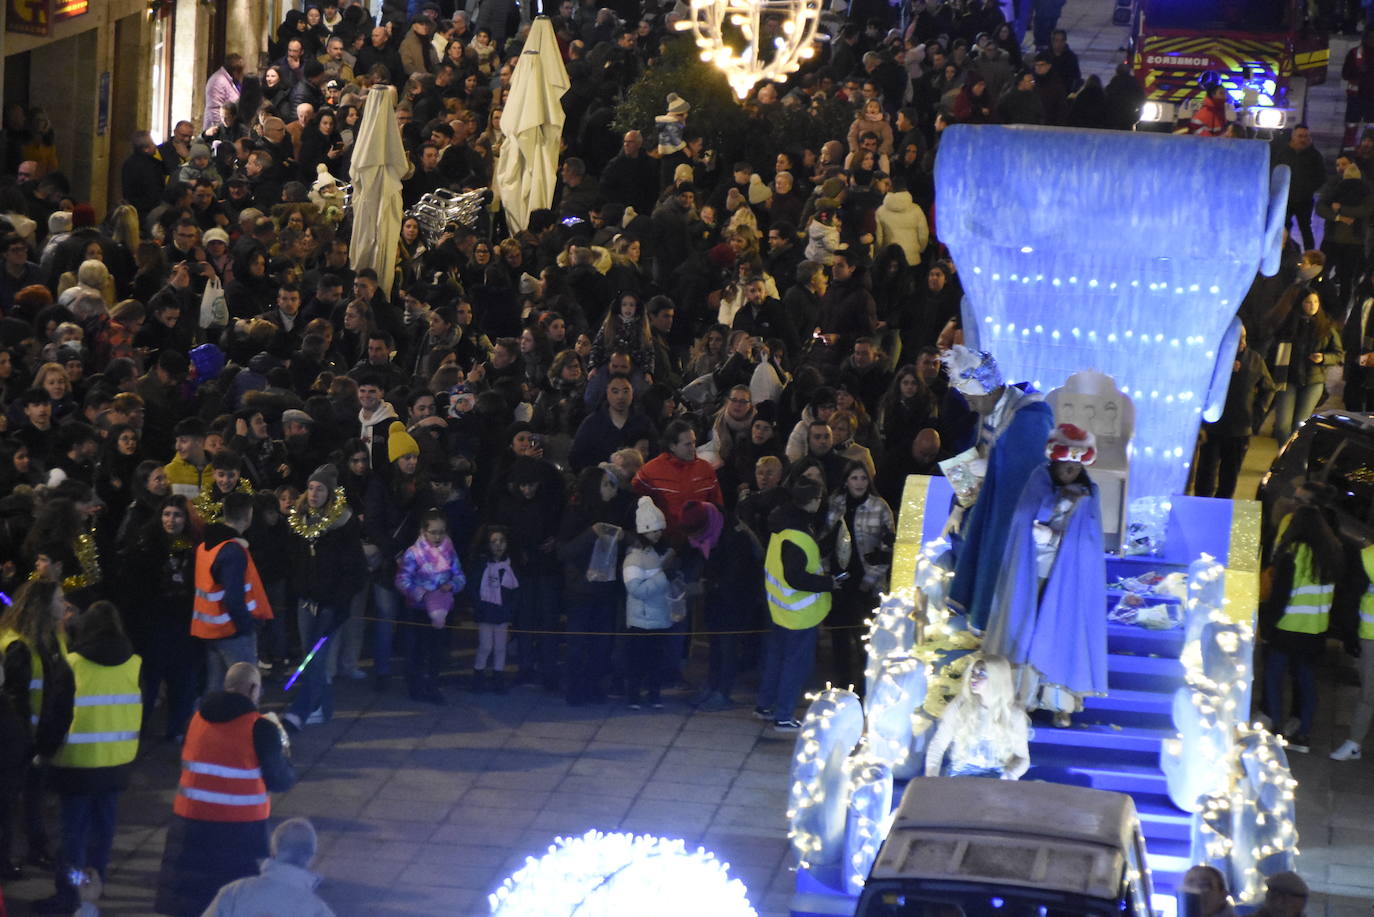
(88, 556)
(311, 531)
(210, 509)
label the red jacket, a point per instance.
(1358, 72)
(1210, 120)
(671, 483)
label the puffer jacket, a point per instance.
(873, 522)
(822, 242)
(901, 222)
(647, 588)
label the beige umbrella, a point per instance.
(379, 164)
(533, 124)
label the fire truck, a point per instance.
(1264, 52)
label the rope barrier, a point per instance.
(666, 632)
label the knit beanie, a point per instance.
(677, 105)
(648, 517)
(327, 475)
(400, 443)
(60, 221)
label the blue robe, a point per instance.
(1018, 452)
(1062, 631)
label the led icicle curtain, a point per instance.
(1122, 252)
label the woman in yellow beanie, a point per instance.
(396, 499)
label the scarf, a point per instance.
(496, 575)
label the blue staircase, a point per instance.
(1114, 743)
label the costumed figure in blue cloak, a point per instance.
(1013, 423)
(1049, 613)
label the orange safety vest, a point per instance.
(209, 616)
(220, 776)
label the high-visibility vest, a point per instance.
(1309, 602)
(106, 716)
(793, 608)
(35, 670)
(1367, 600)
(209, 615)
(220, 776)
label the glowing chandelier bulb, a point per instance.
(743, 70)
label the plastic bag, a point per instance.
(677, 598)
(214, 311)
(1148, 526)
(601, 568)
(844, 546)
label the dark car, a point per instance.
(1329, 461)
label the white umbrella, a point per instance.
(379, 164)
(533, 124)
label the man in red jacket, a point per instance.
(677, 476)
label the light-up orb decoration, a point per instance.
(614, 875)
(766, 54)
(898, 691)
(1122, 252)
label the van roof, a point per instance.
(1028, 834)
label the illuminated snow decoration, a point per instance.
(1216, 697)
(816, 810)
(1098, 268)
(1247, 829)
(891, 632)
(870, 817)
(765, 54)
(1234, 777)
(899, 690)
(612, 875)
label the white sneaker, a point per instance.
(1350, 751)
(316, 717)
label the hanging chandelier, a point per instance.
(718, 22)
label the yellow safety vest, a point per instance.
(35, 671)
(1309, 602)
(792, 608)
(107, 716)
(1367, 600)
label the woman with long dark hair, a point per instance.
(161, 563)
(1306, 342)
(148, 487)
(114, 475)
(905, 409)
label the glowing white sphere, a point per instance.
(611, 875)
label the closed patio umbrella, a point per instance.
(379, 164)
(533, 124)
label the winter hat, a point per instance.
(766, 411)
(215, 235)
(677, 105)
(648, 517)
(399, 443)
(1069, 443)
(701, 523)
(616, 472)
(529, 285)
(199, 151)
(684, 174)
(295, 415)
(93, 273)
(758, 191)
(327, 475)
(831, 187)
(60, 221)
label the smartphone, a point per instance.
(841, 577)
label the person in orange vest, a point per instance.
(232, 759)
(229, 592)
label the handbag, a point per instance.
(214, 311)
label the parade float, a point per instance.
(1119, 303)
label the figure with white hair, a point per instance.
(1046, 615)
(285, 887)
(983, 732)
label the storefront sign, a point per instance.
(31, 17)
(69, 9)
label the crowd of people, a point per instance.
(683, 400)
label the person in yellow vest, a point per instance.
(93, 765)
(1295, 617)
(37, 679)
(1364, 707)
(229, 592)
(232, 759)
(798, 591)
